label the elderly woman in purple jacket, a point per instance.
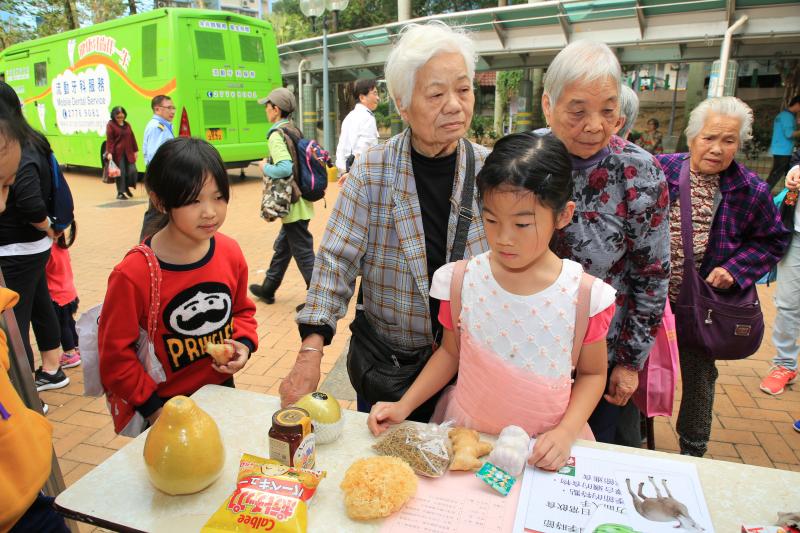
(737, 237)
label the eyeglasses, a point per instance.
(171, 107)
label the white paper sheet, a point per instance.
(566, 500)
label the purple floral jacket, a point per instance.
(747, 236)
(620, 233)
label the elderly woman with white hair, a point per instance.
(737, 236)
(407, 208)
(619, 231)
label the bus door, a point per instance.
(257, 70)
(216, 85)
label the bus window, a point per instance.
(210, 45)
(40, 73)
(251, 48)
(149, 50)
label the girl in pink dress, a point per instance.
(519, 312)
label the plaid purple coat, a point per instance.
(747, 237)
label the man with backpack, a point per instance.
(283, 170)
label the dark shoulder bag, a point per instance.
(718, 324)
(380, 372)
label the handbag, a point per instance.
(718, 324)
(380, 372)
(658, 377)
(127, 421)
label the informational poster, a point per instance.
(455, 503)
(651, 495)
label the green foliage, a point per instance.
(507, 83)
(482, 127)
(381, 113)
(290, 24)
(31, 19)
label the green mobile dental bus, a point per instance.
(214, 65)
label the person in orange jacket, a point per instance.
(26, 448)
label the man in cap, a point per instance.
(294, 239)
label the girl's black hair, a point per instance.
(177, 172)
(10, 127)
(31, 137)
(117, 110)
(534, 162)
(65, 241)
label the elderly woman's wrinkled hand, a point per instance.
(622, 383)
(302, 379)
(719, 278)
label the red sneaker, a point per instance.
(777, 380)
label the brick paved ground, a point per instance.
(749, 426)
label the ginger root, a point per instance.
(222, 353)
(467, 448)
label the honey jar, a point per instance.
(291, 438)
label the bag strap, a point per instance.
(465, 207)
(685, 190)
(456, 284)
(155, 287)
(581, 316)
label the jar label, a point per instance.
(280, 451)
(306, 453)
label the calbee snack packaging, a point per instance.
(269, 496)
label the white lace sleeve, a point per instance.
(440, 285)
(603, 295)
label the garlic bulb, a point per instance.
(511, 450)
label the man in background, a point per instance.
(359, 129)
(157, 132)
(784, 133)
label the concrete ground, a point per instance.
(749, 426)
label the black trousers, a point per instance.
(294, 240)
(66, 321)
(127, 175)
(24, 274)
(780, 166)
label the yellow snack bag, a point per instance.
(269, 496)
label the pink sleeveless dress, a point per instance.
(515, 351)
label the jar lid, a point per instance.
(292, 419)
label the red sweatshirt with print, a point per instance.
(201, 302)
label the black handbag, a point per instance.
(380, 372)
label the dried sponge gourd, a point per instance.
(377, 487)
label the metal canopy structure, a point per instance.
(529, 35)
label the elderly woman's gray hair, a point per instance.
(728, 106)
(417, 45)
(580, 61)
(628, 108)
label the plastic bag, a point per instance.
(113, 169)
(88, 327)
(426, 448)
(106, 177)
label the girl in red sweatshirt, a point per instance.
(61, 285)
(202, 294)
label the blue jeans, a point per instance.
(787, 302)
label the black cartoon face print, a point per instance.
(198, 315)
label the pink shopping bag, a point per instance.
(658, 378)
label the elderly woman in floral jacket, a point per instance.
(619, 232)
(737, 236)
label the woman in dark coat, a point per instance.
(121, 148)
